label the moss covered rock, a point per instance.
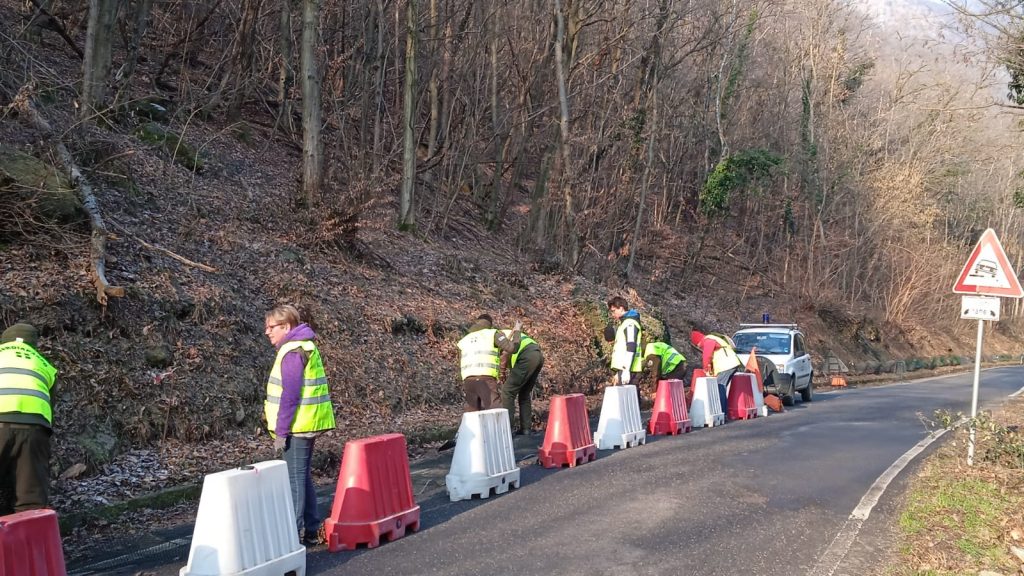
(172, 143)
(30, 187)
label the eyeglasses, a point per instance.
(270, 327)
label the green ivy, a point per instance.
(733, 173)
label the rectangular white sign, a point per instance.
(979, 308)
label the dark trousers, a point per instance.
(519, 385)
(481, 393)
(24, 467)
(723, 378)
(298, 454)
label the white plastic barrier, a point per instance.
(762, 410)
(484, 459)
(706, 407)
(246, 525)
(620, 425)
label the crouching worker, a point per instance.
(480, 357)
(26, 416)
(719, 360)
(663, 362)
(524, 370)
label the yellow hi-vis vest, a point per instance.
(621, 359)
(724, 356)
(524, 341)
(26, 379)
(314, 412)
(480, 357)
(670, 357)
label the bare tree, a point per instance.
(406, 210)
(96, 65)
(312, 148)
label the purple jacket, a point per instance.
(292, 368)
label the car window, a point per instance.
(798, 345)
(766, 342)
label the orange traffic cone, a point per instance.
(753, 368)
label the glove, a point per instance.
(279, 443)
(624, 377)
(518, 326)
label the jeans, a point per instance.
(723, 378)
(298, 453)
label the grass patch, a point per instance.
(109, 514)
(961, 519)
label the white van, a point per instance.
(782, 346)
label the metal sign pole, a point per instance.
(974, 393)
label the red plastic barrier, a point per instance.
(30, 544)
(741, 397)
(669, 415)
(567, 440)
(374, 494)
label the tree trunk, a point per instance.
(496, 125)
(378, 117)
(243, 57)
(652, 130)
(96, 68)
(406, 212)
(312, 150)
(434, 88)
(286, 75)
(139, 27)
(563, 124)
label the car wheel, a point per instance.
(787, 400)
(807, 394)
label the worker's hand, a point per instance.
(279, 443)
(518, 326)
(624, 377)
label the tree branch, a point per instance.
(24, 105)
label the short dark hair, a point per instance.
(487, 318)
(618, 302)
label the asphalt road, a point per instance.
(767, 497)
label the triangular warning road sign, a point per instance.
(988, 271)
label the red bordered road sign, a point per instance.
(988, 271)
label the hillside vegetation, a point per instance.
(707, 160)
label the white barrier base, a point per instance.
(706, 406)
(762, 410)
(619, 425)
(484, 459)
(245, 525)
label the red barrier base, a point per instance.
(669, 415)
(741, 397)
(560, 456)
(373, 499)
(30, 544)
(567, 441)
(342, 536)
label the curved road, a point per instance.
(767, 497)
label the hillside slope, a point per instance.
(172, 375)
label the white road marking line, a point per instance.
(836, 551)
(1017, 393)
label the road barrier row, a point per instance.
(245, 523)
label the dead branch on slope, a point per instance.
(23, 104)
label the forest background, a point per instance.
(171, 170)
